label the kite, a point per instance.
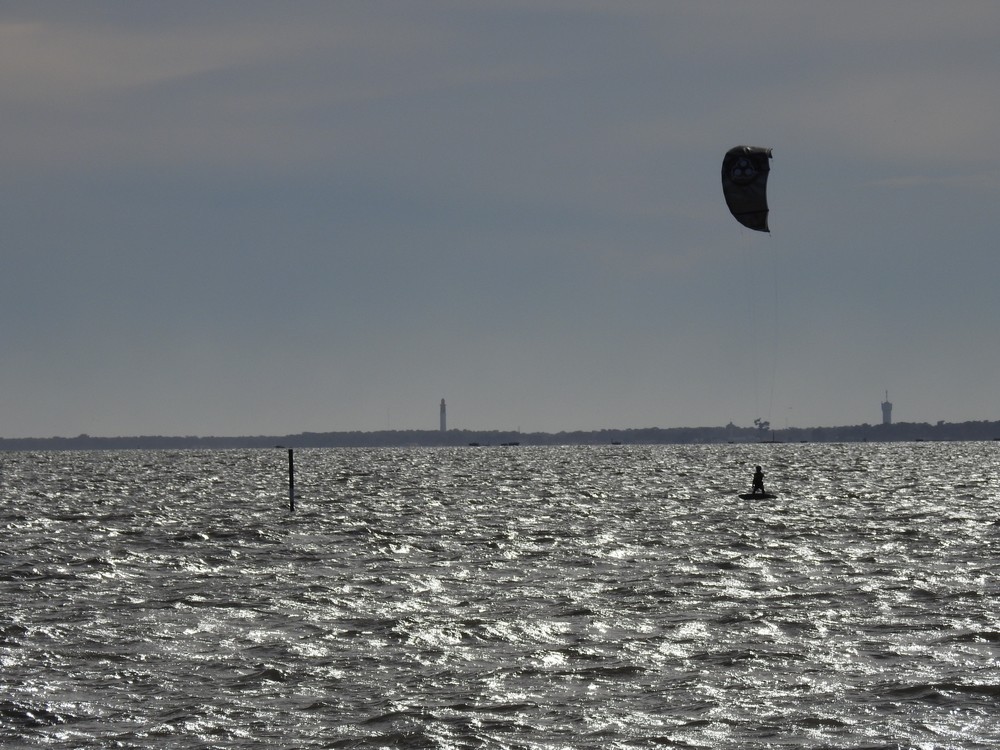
(744, 182)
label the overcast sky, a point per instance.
(238, 217)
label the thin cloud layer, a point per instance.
(242, 217)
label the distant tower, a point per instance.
(444, 418)
(886, 410)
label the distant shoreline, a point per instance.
(900, 432)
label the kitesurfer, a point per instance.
(758, 482)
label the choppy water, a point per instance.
(616, 597)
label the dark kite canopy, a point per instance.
(744, 182)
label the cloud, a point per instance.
(971, 181)
(507, 191)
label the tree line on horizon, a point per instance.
(760, 432)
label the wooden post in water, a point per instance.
(291, 481)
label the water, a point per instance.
(579, 597)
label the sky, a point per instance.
(264, 218)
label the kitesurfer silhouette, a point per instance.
(758, 482)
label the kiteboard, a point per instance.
(758, 496)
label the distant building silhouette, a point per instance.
(444, 418)
(886, 410)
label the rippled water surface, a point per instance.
(515, 597)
